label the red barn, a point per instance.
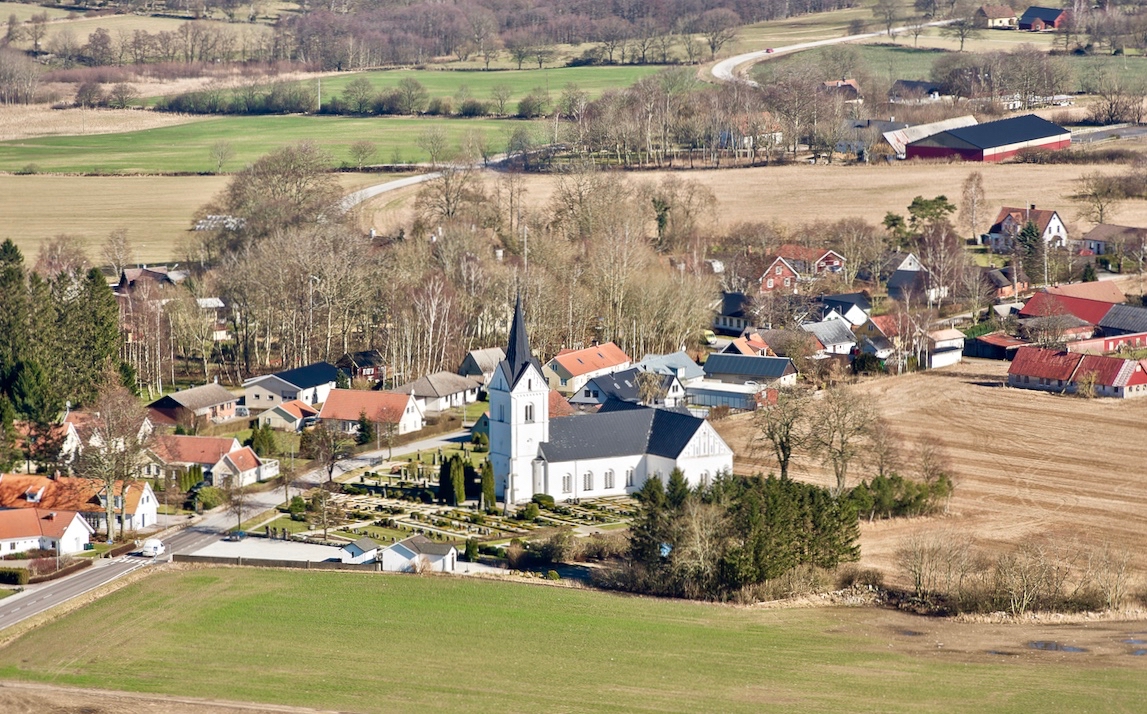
(994, 141)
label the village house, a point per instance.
(24, 529)
(1099, 290)
(786, 343)
(157, 276)
(835, 335)
(310, 384)
(945, 348)
(913, 282)
(854, 307)
(1040, 19)
(1068, 372)
(679, 364)
(363, 550)
(847, 89)
(441, 391)
(999, 281)
(480, 364)
(751, 344)
(135, 504)
(608, 453)
(996, 345)
(911, 91)
(734, 314)
(368, 365)
(80, 430)
(222, 459)
(198, 405)
(289, 416)
(626, 386)
(1011, 221)
(1107, 238)
(740, 369)
(569, 370)
(995, 17)
(418, 554)
(398, 412)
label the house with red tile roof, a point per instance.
(135, 503)
(1010, 221)
(1100, 290)
(793, 264)
(750, 344)
(1067, 372)
(243, 467)
(223, 459)
(569, 370)
(344, 407)
(24, 529)
(996, 17)
(1046, 304)
(288, 416)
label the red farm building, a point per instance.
(994, 141)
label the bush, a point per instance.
(867, 364)
(534, 104)
(544, 500)
(553, 575)
(471, 552)
(473, 108)
(13, 576)
(209, 497)
(529, 513)
(851, 575)
(440, 106)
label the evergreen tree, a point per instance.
(1031, 243)
(365, 428)
(678, 489)
(341, 380)
(458, 480)
(262, 440)
(32, 396)
(1089, 275)
(9, 455)
(488, 497)
(13, 312)
(445, 485)
(100, 337)
(648, 529)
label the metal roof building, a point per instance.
(994, 141)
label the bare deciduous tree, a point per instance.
(783, 424)
(841, 425)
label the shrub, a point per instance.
(851, 575)
(13, 576)
(209, 497)
(534, 104)
(473, 108)
(440, 106)
(553, 575)
(544, 500)
(529, 513)
(471, 552)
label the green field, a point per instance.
(446, 83)
(187, 147)
(371, 643)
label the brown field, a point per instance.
(1026, 465)
(24, 121)
(797, 194)
(156, 210)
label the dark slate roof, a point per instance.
(423, 545)
(1047, 14)
(846, 299)
(366, 358)
(1015, 130)
(903, 280)
(620, 431)
(748, 366)
(912, 87)
(733, 304)
(365, 545)
(518, 355)
(1125, 318)
(831, 332)
(310, 376)
(1002, 277)
(623, 385)
(616, 405)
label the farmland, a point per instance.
(155, 210)
(187, 147)
(436, 644)
(1022, 470)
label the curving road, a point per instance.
(726, 70)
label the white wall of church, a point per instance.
(519, 422)
(568, 479)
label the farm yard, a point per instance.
(1023, 470)
(287, 635)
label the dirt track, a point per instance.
(28, 698)
(1026, 464)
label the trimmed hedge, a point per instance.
(14, 576)
(73, 568)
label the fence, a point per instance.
(269, 563)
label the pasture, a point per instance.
(25, 11)
(187, 147)
(155, 210)
(377, 643)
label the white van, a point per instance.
(152, 548)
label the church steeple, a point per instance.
(518, 354)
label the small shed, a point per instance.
(419, 554)
(363, 550)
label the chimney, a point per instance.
(1031, 207)
(52, 516)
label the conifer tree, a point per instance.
(488, 497)
(678, 489)
(458, 480)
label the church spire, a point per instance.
(518, 350)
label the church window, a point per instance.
(529, 413)
(567, 483)
(530, 385)
(587, 481)
(609, 479)
(501, 412)
(629, 477)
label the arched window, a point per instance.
(529, 413)
(628, 477)
(567, 483)
(609, 478)
(587, 481)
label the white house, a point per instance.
(134, 503)
(945, 347)
(625, 385)
(608, 453)
(419, 554)
(24, 529)
(442, 390)
(679, 364)
(363, 550)
(569, 370)
(1011, 221)
(243, 467)
(400, 412)
(310, 384)
(835, 334)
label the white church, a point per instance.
(608, 453)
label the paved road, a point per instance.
(38, 598)
(726, 70)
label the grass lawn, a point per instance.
(375, 533)
(446, 83)
(437, 644)
(475, 410)
(282, 522)
(187, 147)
